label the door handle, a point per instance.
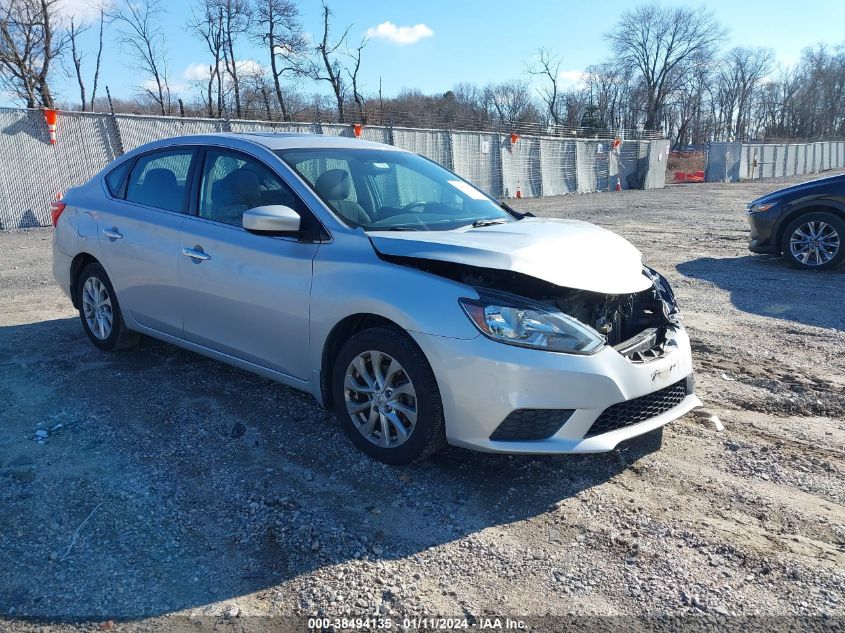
(112, 234)
(198, 256)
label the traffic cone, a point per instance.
(357, 129)
(618, 184)
(518, 192)
(51, 116)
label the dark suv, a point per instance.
(806, 223)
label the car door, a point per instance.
(244, 294)
(139, 237)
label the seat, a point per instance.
(335, 186)
(234, 194)
(161, 190)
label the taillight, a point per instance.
(56, 208)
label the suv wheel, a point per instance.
(99, 311)
(814, 241)
(386, 396)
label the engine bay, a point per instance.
(635, 324)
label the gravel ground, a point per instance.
(173, 490)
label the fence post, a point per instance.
(540, 187)
(119, 145)
(501, 165)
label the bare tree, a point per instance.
(353, 78)
(512, 103)
(28, 45)
(237, 18)
(547, 67)
(329, 68)
(74, 30)
(744, 69)
(140, 32)
(662, 43)
(99, 56)
(257, 91)
(278, 28)
(207, 24)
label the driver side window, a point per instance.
(232, 183)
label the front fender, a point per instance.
(349, 278)
(794, 208)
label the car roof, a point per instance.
(278, 140)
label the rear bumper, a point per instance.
(61, 268)
(482, 381)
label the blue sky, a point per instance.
(477, 41)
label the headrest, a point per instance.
(334, 184)
(160, 178)
(245, 181)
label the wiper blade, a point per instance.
(517, 214)
(478, 223)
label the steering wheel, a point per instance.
(411, 205)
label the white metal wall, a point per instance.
(730, 162)
(32, 171)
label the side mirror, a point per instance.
(272, 218)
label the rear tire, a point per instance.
(386, 397)
(100, 312)
(815, 241)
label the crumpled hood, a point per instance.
(567, 253)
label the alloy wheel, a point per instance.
(97, 308)
(814, 243)
(380, 399)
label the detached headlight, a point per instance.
(664, 291)
(517, 321)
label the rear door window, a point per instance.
(159, 179)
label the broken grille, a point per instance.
(640, 409)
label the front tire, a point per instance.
(386, 397)
(814, 241)
(100, 312)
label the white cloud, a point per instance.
(572, 79)
(176, 87)
(196, 72)
(149, 84)
(79, 9)
(250, 67)
(399, 34)
(201, 72)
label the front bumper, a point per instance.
(482, 381)
(763, 233)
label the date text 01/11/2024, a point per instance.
(423, 623)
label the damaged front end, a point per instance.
(577, 321)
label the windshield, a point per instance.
(384, 190)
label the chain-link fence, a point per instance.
(732, 162)
(33, 172)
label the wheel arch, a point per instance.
(77, 265)
(339, 334)
(812, 206)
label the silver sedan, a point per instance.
(419, 309)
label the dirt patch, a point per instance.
(155, 485)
